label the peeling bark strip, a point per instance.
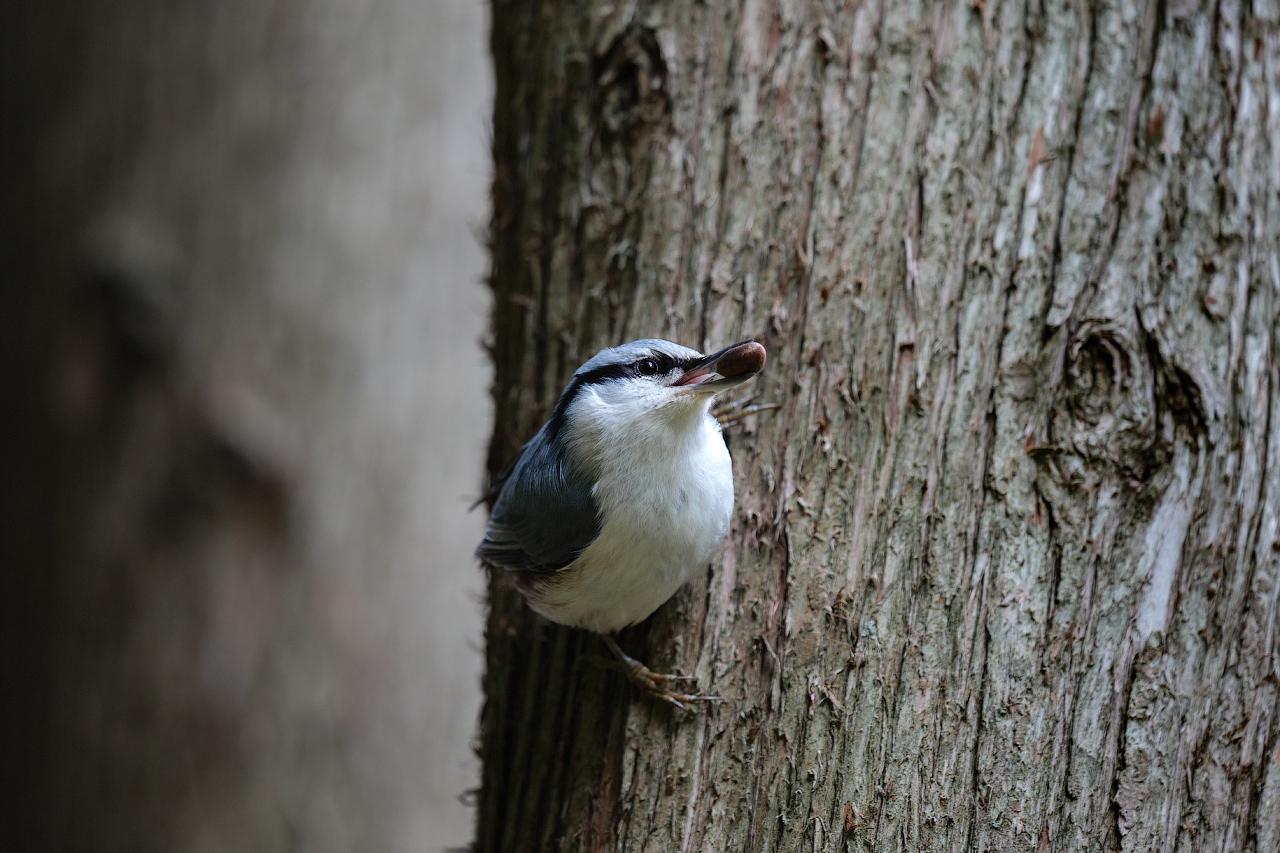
(1004, 568)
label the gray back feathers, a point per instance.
(545, 515)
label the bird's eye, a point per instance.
(647, 367)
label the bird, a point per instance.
(624, 490)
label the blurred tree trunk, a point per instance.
(1003, 572)
(238, 241)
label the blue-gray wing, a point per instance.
(545, 515)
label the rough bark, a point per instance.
(1003, 569)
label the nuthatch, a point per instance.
(624, 491)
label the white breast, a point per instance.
(665, 492)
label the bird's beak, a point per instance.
(731, 366)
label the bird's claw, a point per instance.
(666, 676)
(738, 410)
(652, 682)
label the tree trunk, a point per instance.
(237, 234)
(1003, 568)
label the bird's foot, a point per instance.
(733, 412)
(653, 683)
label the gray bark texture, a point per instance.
(1003, 572)
(243, 309)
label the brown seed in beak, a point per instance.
(738, 362)
(739, 359)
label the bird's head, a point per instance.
(651, 379)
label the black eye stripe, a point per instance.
(605, 373)
(662, 363)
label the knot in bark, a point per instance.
(630, 83)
